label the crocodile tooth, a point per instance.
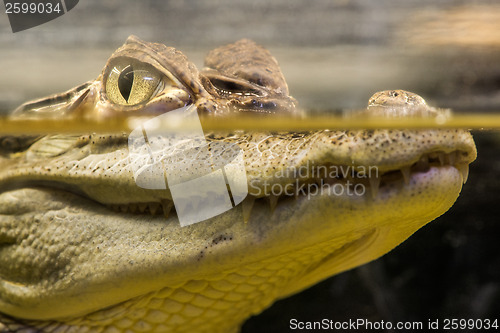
(374, 184)
(422, 164)
(406, 174)
(123, 208)
(273, 201)
(464, 171)
(247, 205)
(167, 207)
(153, 207)
(452, 157)
(441, 158)
(142, 206)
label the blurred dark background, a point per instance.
(335, 55)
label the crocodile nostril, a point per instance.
(400, 103)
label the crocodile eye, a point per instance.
(132, 83)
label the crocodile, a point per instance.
(84, 249)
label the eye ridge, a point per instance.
(126, 82)
(228, 87)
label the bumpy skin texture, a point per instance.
(69, 263)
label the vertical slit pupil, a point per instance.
(126, 81)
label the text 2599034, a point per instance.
(32, 8)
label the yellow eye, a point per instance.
(131, 83)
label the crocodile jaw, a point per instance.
(57, 245)
(94, 258)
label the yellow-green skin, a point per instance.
(70, 264)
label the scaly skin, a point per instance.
(69, 263)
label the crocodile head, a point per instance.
(83, 247)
